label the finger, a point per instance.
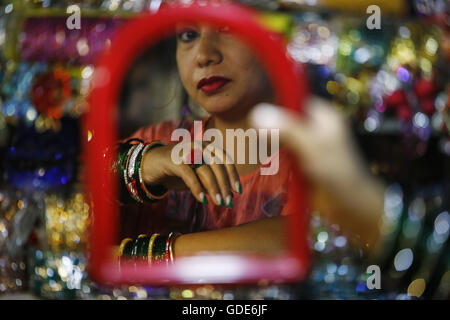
(230, 168)
(233, 175)
(293, 129)
(209, 182)
(191, 180)
(224, 183)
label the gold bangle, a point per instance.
(122, 245)
(150, 247)
(173, 236)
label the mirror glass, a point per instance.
(193, 177)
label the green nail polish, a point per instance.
(230, 204)
(240, 188)
(203, 197)
(222, 203)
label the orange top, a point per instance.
(262, 196)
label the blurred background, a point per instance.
(392, 83)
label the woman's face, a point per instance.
(219, 73)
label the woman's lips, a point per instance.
(212, 84)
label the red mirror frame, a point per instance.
(290, 86)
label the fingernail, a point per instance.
(219, 199)
(228, 200)
(238, 187)
(203, 197)
(230, 203)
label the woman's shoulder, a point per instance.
(161, 131)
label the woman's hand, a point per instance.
(321, 140)
(342, 187)
(217, 179)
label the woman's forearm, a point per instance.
(264, 236)
(356, 206)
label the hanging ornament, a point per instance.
(430, 8)
(56, 275)
(20, 82)
(50, 91)
(39, 94)
(313, 41)
(361, 48)
(427, 106)
(66, 222)
(17, 217)
(16, 92)
(37, 160)
(57, 255)
(424, 88)
(2, 42)
(49, 40)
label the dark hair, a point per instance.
(158, 62)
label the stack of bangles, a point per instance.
(128, 168)
(155, 249)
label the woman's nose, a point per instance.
(208, 51)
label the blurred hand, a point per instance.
(321, 140)
(342, 187)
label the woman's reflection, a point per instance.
(215, 206)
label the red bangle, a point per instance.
(172, 236)
(167, 255)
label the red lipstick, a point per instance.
(212, 84)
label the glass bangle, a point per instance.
(173, 236)
(166, 251)
(127, 245)
(118, 168)
(155, 192)
(138, 178)
(159, 249)
(150, 248)
(136, 244)
(123, 150)
(142, 244)
(128, 183)
(125, 249)
(122, 246)
(131, 168)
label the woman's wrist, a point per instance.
(149, 162)
(130, 169)
(150, 186)
(177, 246)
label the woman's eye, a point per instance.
(187, 35)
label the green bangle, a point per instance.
(138, 177)
(159, 249)
(143, 247)
(137, 245)
(123, 151)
